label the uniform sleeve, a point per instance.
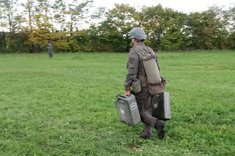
(132, 69)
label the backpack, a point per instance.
(151, 69)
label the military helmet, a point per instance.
(137, 33)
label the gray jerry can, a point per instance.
(161, 106)
(127, 109)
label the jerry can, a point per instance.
(161, 106)
(127, 109)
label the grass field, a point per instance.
(65, 105)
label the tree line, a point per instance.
(29, 26)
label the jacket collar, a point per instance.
(139, 43)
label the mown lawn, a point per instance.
(65, 105)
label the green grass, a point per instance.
(65, 105)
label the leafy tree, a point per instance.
(75, 11)
(8, 12)
(153, 20)
(29, 10)
(114, 28)
(164, 27)
(60, 21)
(2, 25)
(97, 17)
(13, 23)
(174, 34)
(231, 38)
(39, 24)
(91, 39)
(204, 28)
(59, 7)
(2, 41)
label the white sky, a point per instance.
(185, 6)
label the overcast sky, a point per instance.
(185, 6)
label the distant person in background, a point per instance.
(50, 49)
(137, 80)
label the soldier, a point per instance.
(50, 49)
(136, 79)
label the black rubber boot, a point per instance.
(160, 129)
(146, 133)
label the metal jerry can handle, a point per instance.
(123, 96)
